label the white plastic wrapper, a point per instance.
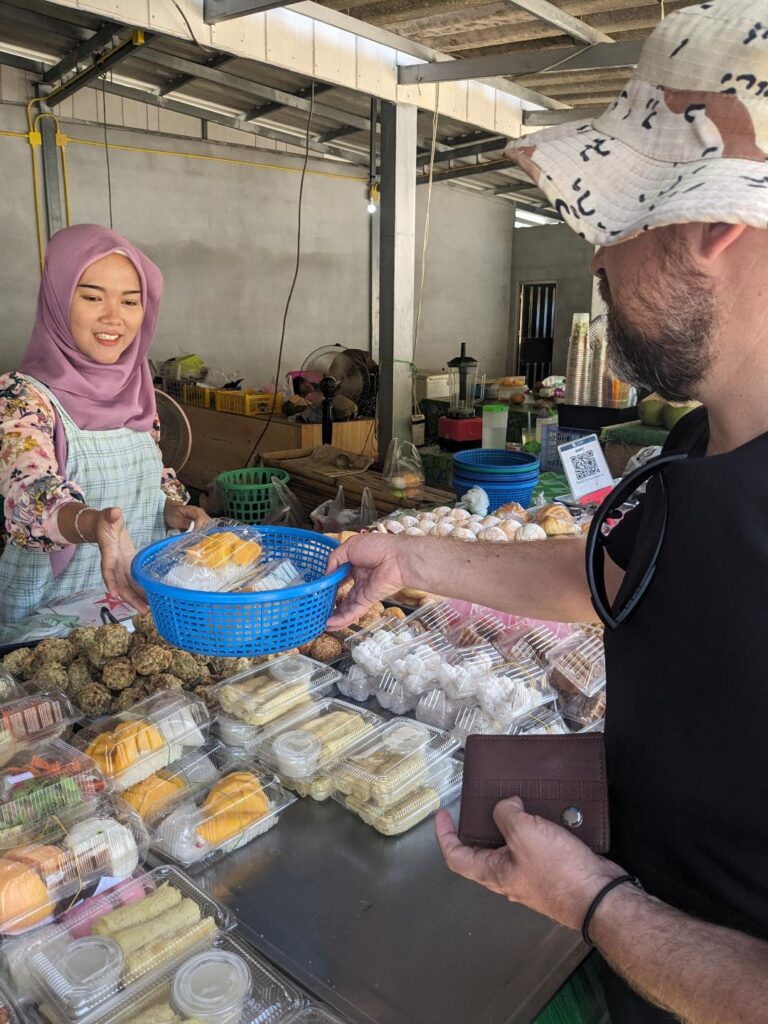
(220, 557)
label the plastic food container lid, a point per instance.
(212, 986)
(90, 962)
(496, 408)
(297, 752)
(291, 669)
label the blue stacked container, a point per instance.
(505, 476)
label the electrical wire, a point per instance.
(189, 29)
(291, 290)
(106, 148)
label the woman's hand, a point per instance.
(179, 517)
(106, 527)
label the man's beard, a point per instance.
(673, 352)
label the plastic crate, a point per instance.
(553, 435)
(193, 394)
(247, 493)
(248, 403)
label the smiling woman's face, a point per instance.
(106, 311)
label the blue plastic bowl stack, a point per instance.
(504, 476)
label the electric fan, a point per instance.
(175, 431)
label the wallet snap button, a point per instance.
(572, 817)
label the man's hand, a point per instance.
(108, 530)
(542, 865)
(375, 570)
(179, 517)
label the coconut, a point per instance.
(651, 410)
(673, 412)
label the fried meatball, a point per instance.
(184, 666)
(94, 699)
(160, 681)
(79, 673)
(128, 698)
(81, 638)
(118, 674)
(149, 659)
(55, 651)
(52, 677)
(112, 641)
(19, 662)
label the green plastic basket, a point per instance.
(247, 493)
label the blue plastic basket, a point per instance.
(494, 462)
(248, 625)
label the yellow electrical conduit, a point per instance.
(35, 140)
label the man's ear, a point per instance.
(716, 238)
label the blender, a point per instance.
(461, 428)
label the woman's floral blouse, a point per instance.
(31, 484)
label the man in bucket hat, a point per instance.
(672, 183)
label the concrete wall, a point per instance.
(219, 218)
(553, 253)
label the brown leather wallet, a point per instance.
(560, 778)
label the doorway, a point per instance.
(536, 330)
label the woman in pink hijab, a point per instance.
(80, 469)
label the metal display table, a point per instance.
(382, 931)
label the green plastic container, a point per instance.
(247, 493)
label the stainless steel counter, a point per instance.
(382, 931)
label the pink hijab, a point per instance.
(96, 397)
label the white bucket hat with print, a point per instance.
(686, 141)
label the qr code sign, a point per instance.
(584, 465)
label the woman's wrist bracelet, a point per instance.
(599, 899)
(78, 531)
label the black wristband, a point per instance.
(599, 899)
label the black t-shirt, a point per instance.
(687, 698)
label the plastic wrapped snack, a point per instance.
(34, 877)
(480, 628)
(418, 665)
(121, 947)
(227, 983)
(419, 803)
(219, 557)
(356, 684)
(372, 648)
(44, 788)
(262, 694)
(243, 803)
(276, 574)
(10, 688)
(384, 768)
(306, 743)
(544, 721)
(130, 747)
(194, 771)
(473, 720)
(513, 691)
(26, 721)
(438, 709)
(435, 617)
(577, 665)
(467, 669)
(392, 695)
(527, 642)
(582, 712)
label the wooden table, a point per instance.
(222, 441)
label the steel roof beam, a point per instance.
(547, 118)
(265, 109)
(215, 11)
(218, 60)
(104, 39)
(465, 172)
(489, 146)
(14, 60)
(525, 62)
(44, 23)
(129, 48)
(245, 85)
(553, 15)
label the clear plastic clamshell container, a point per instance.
(9, 1015)
(467, 670)
(227, 983)
(436, 617)
(438, 709)
(577, 665)
(305, 744)
(219, 557)
(418, 665)
(165, 789)
(514, 691)
(480, 628)
(371, 648)
(253, 699)
(355, 682)
(110, 841)
(474, 721)
(44, 788)
(26, 721)
(315, 1014)
(135, 744)
(244, 802)
(420, 803)
(584, 713)
(113, 947)
(543, 721)
(392, 696)
(384, 768)
(528, 642)
(10, 687)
